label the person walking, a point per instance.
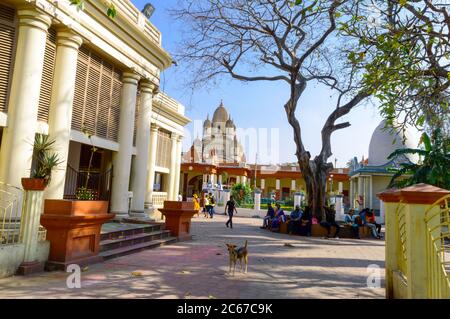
(196, 204)
(231, 206)
(206, 206)
(212, 204)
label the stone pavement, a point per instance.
(310, 268)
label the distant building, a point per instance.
(372, 176)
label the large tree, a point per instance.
(277, 40)
(404, 49)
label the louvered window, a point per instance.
(47, 76)
(7, 37)
(163, 149)
(96, 104)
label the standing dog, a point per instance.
(240, 254)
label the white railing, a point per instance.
(158, 199)
(11, 201)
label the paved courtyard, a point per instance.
(307, 268)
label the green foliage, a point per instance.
(433, 169)
(84, 193)
(46, 160)
(110, 11)
(242, 193)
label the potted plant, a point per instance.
(44, 161)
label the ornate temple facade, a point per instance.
(219, 143)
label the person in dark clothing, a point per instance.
(270, 215)
(330, 215)
(305, 223)
(231, 206)
(294, 222)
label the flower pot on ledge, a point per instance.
(178, 218)
(33, 184)
(73, 229)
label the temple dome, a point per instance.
(384, 141)
(207, 123)
(229, 123)
(220, 114)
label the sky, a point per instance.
(258, 107)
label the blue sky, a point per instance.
(260, 104)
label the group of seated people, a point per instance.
(300, 221)
(365, 217)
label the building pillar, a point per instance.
(31, 216)
(151, 163)
(293, 185)
(352, 200)
(244, 179)
(277, 184)
(361, 192)
(139, 170)
(340, 187)
(18, 137)
(121, 174)
(173, 162)
(178, 167)
(263, 184)
(60, 116)
(220, 179)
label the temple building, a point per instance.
(77, 76)
(372, 176)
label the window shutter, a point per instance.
(7, 37)
(47, 76)
(97, 96)
(163, 149)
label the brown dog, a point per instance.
(240, 254)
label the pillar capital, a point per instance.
(148, 87)
(154, 127)
(34, 18)
(130, 77)
(68, 38)
(174, 136)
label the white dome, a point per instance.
(384, 141)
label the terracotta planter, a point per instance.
(33, 184)
(73, 229)
(178, 218)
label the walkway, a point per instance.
(307, 268)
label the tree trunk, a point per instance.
(315, 175)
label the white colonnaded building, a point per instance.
(64, 71)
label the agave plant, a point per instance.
(434, 166)
(46, 160)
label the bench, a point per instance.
(319, 231)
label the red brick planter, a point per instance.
(178, 218)
(33, 184)
(73, 229)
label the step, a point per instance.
(129, 230)
(113, 243)
(108, 254)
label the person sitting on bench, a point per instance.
(330, 215)
(294, 222)
(270, 215)
(350, 219)
(279, 218)
(305, 223)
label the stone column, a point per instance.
(340, 187)
(139, 170)
(297, 199)
(238, 179)
(220, 179)
(18, 137)
(173, 162)
(257, 201)
(277, 184)
(60, 117)
(293, 185)
(263, 184)
(178, 167)
(244, 179)
(205, 181)
(151, 163)
(31, 216)
(121, 174)
(361, 192)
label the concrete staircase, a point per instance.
(118, 239)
